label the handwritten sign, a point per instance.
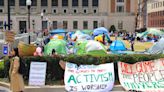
(9, 36)
(37, 73)
(89, 78)
(147, 76)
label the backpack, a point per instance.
(22, 68)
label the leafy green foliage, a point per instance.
(55, 72)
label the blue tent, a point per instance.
(57, 31)
(99, 31)
(117, 45)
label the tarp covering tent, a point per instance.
(157, 48)
(151, 31)
(89, 47)
(154, 31)
(117, 45)
(87, 31)
(58, 31)
(100, 31)
(58, 45)
(80, 36)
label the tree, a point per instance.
(112, 28)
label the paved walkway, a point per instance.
(117, 88)
(3, 89)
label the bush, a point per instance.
(55, 72)
(2, 74)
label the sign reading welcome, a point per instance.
(89, 78)
(37, 73)
(142, 76)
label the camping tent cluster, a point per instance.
(90, 42)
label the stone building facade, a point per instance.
(70, 14)
(156, 14)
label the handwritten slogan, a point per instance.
(89, 78)
(147, 76)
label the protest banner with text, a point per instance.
(89, 78)
(147, 76)
(37, 74)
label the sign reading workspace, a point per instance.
(37, 73)
(147, 76)
(89, 78)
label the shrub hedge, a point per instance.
(55, 72)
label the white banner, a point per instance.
(147, 76)
(89, 78)
(37, 74)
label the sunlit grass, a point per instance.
(138, 46)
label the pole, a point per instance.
(8, 14)
(29, 38)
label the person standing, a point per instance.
(16, 79)
(132, 39)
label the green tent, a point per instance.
(90, 47)
(150, 31)
(154, 31)
(58, 45)
(87, 31)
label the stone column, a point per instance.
(60, 6)
(90, 6)
(70, 6)
(50, 6)
(5, 6)
(113, 5)
(80, 6)
(39, 9)
(16, 6)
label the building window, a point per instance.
(120, 8)
(64, 2)
(75, 2)
(75, 24)
(95, 11)
(65, 11)
(85, 24)
(75, 11)
(95, 24)
(1, 2)
(120, 0)
(22, 2)
(44, 10)
(54, 2)
(34, 2)
(12, 2)
(85, 3)
(85, 11)
(55, 24)
(54, 11)
(1, 24)
(44, 25)
(44, 3)
(65, 24)
(95, 3)
(1, 10)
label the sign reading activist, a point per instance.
(37, 73)
(89, 78)
(142, 76)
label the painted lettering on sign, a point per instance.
(89, 77)
(142, 76)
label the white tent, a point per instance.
(157, 48)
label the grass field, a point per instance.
(138, 46)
